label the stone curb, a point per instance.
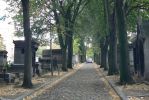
(51, 84)
(115, 88)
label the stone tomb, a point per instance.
(18, 65)
(46, 58)
(4, 76)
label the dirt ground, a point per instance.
(137, 91)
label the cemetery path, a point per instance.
(86, 84)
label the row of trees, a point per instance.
(120, 17)
(101, 21)
(41, 16)
(108, 23)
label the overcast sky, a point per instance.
(6, 30)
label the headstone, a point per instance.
(18, 65)
(131, 58)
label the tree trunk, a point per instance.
(96, 58)
(70, 50)
(104, 52)
(112, 55)
(82, 50)
(64, 63)
(123, 43)
(63, 44)
(101, 56)
(99, 61)
(27, 83)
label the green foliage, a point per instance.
(134, 8)
(76, 46)
(39, 18)
(90, 52)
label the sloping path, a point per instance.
(85, 84)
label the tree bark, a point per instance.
(104, 52)
(123, 43)
(27, 83)
(82, 50)
(112, 55)
(64, 63)
(70, 50)
(63, 44)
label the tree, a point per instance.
(39, 19)
(112, 53)
(69, 11)
(105, 41)
(110, 20)
(62, 37)
(74, 8)
(27, 83)
(123, 43)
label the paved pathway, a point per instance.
(85, 84)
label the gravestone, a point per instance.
(131, 61)
(4, 76)
(3, 59)
(145, 31)
(131, 58)
(18, 65)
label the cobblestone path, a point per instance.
(85, 84)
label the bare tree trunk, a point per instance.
(27, 83)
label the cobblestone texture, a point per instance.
(85, 84)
